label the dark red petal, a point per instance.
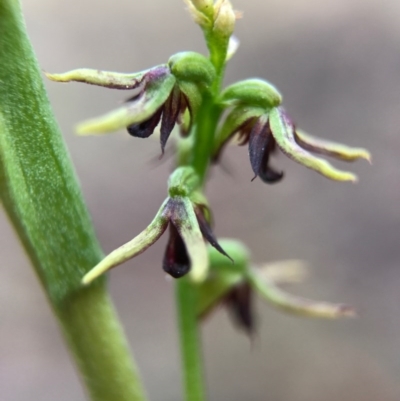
(208, 234)
(269, 175)
(243, 132)
(146, 128)
(170, 116)
(261, 145)
(176, 260)
(240, 304)
(260, 138)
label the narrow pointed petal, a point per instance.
(154, 96)
(176, 261)
(234, 122)
(133, 248)
(297, 305)
(170, 116)
(329, 148)
(283, 132)
(108, 79)
(185, 221)
(259, 143)
(145, 128)
(209, 235)
(240, 304)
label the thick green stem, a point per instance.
(40, 194)
(190, 340)
(206, 126)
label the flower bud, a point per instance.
(205, 6)
(192, 67)
(182, 182)
(224, 18)
(253, 93)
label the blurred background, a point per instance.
(337, 63)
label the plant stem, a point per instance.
(187, 306)
(190, 340)
(41, 196)
(207, 122)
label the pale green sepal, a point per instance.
(233, 123)
(107, 79)
(297, 305)
(283, 132)
(284, 271)
(251, 92)
(185, 221)
(194, 98)
(182, 182)
(192, 67)
(133, 112)
(132, 248)
(329, 148)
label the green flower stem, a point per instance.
(205, 129)
(210, 111)
(41, 196)
(206, 126)
(190, 340)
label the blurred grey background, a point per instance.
(337, 63)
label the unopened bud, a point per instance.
(205, 6)
(224, 18)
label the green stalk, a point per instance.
(42, 198)
(187, 306)
(190, 341)
(206, 126)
